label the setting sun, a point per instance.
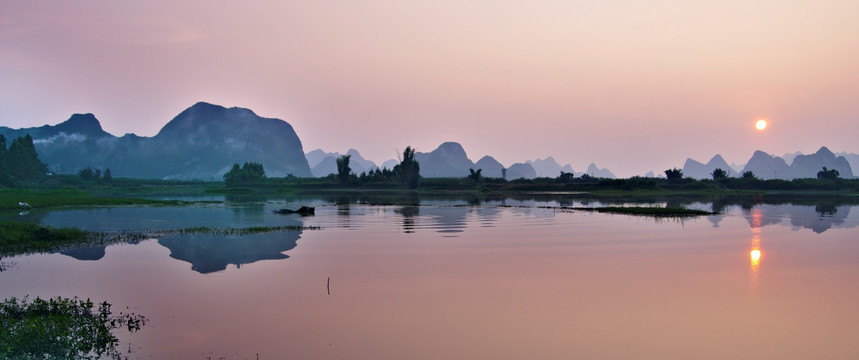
(761, 124)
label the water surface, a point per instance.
(446, 279)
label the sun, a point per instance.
(761, 124)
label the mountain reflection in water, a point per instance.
(210, 253)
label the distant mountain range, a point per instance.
(766, 166)
(323, 164)
(202, 142)
(205, 140)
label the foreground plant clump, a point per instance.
(61, 328)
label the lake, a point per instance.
(507, 279)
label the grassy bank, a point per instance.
(38, 198)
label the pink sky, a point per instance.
(631, 85)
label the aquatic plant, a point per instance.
(62, 328)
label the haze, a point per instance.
(633, 86)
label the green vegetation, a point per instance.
(10, 197)
(249, 174)
(20, 162)
(719, 174)
(62, 328)
(830, 174)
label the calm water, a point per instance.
(450, 280)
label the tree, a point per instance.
(748, 175)
(719, 174)
(828, 174)
(5, 176)
(23, 160)
(86, 174)
(248, 174)
(674, 174)
(475, 175)
(408, 169)
(343, 169)
(107, 175)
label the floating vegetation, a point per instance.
(644, 211)
(62, 328)
(23, 238)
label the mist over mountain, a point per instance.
(323, 164)
(852, 159)
(202, 142)
(521, 171)
(548, 167)
(697, 170)
(595, 171)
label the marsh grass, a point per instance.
(62, 328)
(9, 199)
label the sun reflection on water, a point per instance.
(755, 253)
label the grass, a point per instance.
(9, 199)
(22, 238)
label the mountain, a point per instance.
(765, 166)
(316, 156)
(594, 171)
(807, 166)
(327, 166)
(548, 167)
(448, 160)
(324, 163)
(521, 171)
(389, 164)
(697, 170)
(202, 142)
(853, 159)
(491, 167)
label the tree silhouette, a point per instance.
(343, 169)
(408, 169)
(475, 175)
(828, 174)
(249, 174)
(674, 174)
(719, 174)
(748, 175)
(23, 160)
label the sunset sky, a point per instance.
(631, 85)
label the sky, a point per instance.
(632, 86)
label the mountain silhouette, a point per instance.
(807, 166)
(549, 168)
(202, 142)
(521, 171)
(448, 160)
(490, 167)
(697, 170)
(594, 171)
(322, 164)
(765, 166)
